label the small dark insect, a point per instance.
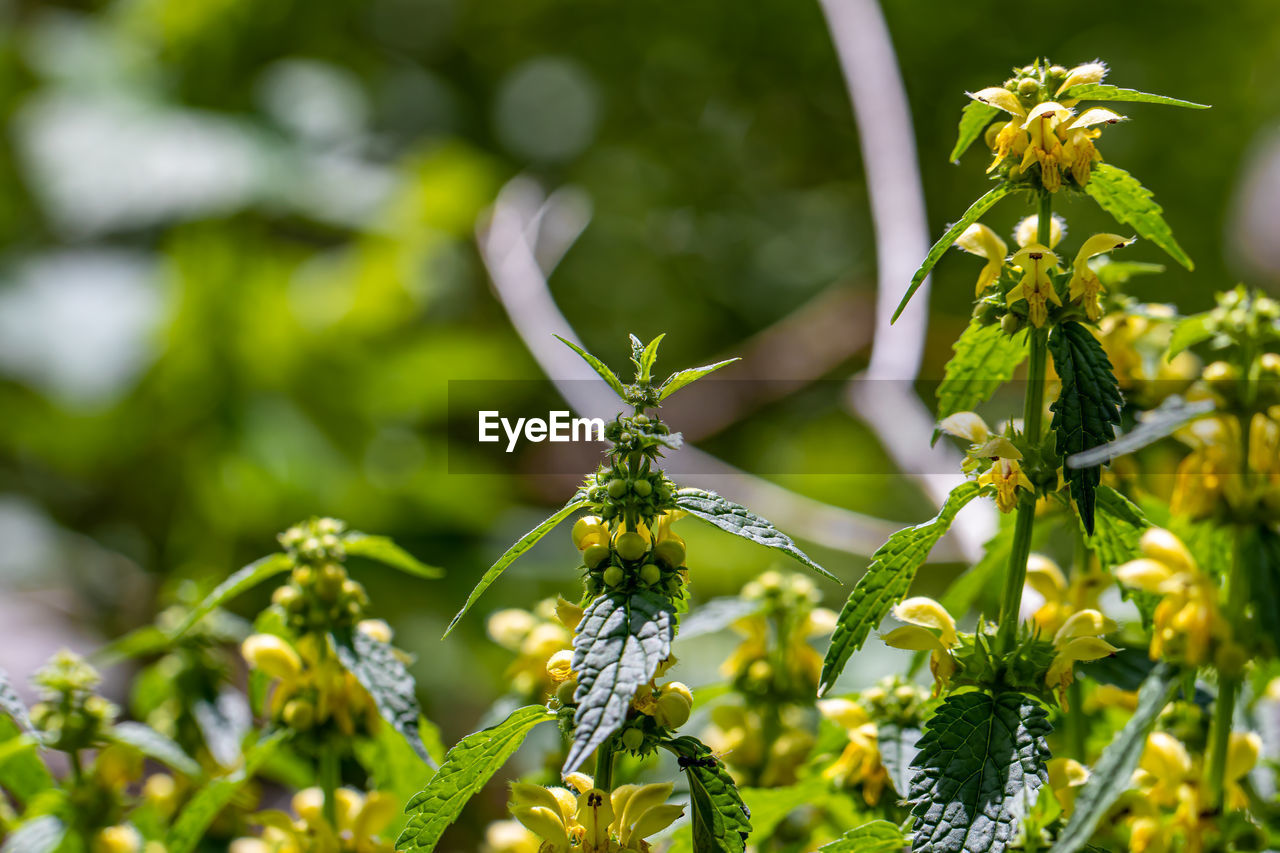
(686, 762)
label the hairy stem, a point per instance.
(1032, 427)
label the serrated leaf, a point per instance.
(154, 745)
(242, 581)
(22, 773)
(598, 366)
(974, 119)
(382, 550)
(743, 523)
(681, 378)
(524, 543)
(619, 643)
(379, 671)
(1130, 203)
(1164, 420)
(1188, 332)
(39, 835)
(208, 802)
(1118, 527)
(887, 581)
(11, 704)
(984, 359)
(1087, 410)
(721, 821)
(1111, 776)
(972, 215)
(879, 836)
(1107, 92)
(466, 769)
(981, 761)
(899, 746)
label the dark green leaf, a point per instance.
(1121, 195)
(887, 580)
(1087, 409)
(381, 549)
(1111, 776)
(972, 215)
(152, 744)
(742, 522)
(599, 367)
(721, 820)
(879, 836)
(681, 378)
(974, 119)
(201, 810)
(1160, 422)
(982, 759)
(1188, 332)
(1106, 92)
(376, 667)
(11, 704)
(466, 769)
(38, 835)
(524, 543)
(985, 358)
(242, 581)
(620, 642)
(898, 748)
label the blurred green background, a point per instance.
(239, 265)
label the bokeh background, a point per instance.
(238, 265)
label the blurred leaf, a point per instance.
(154, 745)
(974, 119)
(141, 642)
(39, 835)
(898, 749)
(12, 704)
(879, 836)
(242, 581)
(715, 615)
(22, 773)
(208, 802)
(1188, 332)
(1121, 195)
(381, 549)
(376, 667)
(1162, 421)
(743, 523)
(224, 723)
(985, 358)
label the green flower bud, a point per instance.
(612, 576)
(650, 573)
(564, 693)
(643, 488)
(299, 714)
(286, 596)
(617, 488)
(631, 545)
(670, 551)
(632, 738)
(595, 555)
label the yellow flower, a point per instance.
(361, 818)
(1085, 286)
(117, 839)
(1007, 476)
(1065, 776)
(930, 628)
(980, 240)
(1078, 640)
(1060, 598)
(1078, 151)
(1027, 230)
(1089, 72)
(594, 821)
(509, 836)
(1044, 146)
(537, 638)
(1036, 262)
(1187, 619)
(860, 762)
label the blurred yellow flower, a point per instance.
(860, 762)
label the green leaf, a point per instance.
(681, 378)
(1130, 203)
(879, 836)
(974, 119)
(1106, 92)
(598, 366)
(643, 357)
(1160, 422)
(376, 667)
(985, 358)
(972, 215)
(1188, 332)
(721, 820)
(394, 767)
(899, 746)
(382, 550)
(1087, 409)
(982, 759)
(743, 523)
(39, 835)
(22, 773)
(1118, 527)
(1118, 273)
(887, 581)
(620, 642)
(11, 704)
(141, 642)
(201, 810)
(716, 614)
(242, 581)
(152, 744)
(466, 769)
(224, 722)
(524, 543)
(1112, 774)
(769, 807)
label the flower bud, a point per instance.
(1162, 546)
(632, 738)
(643, 488)
(631, 545)
(650, 573)
(161, 792)
(303, 576)
(675, 704)
(272, 655)
(560, 666)
(587, 531)
(376, 629)
(1011, 323)
(564, 693)
(617, 488)
(299, 714)
(117, 839)
(1027, 86)
(670, 551)
(612, 576)
(308, 805)
(508, 628)
(595, 555)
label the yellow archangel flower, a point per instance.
(1005, 474)
(1078, 640)
(1036, 287)
(1085, 286)
(1187, 619)
(1066, 775)
(1060, 598)
(593, 821)
(1027, 230)
(980, 240)
(361, 819)
(930, 628)
(860, 762)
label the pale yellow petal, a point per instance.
(1084, 623)
(1101, 243)
(927, 613)
(845, 713)
(1000, 98)
(1090, 72)
(966, 425)
(1049, 109)
(1144, 574)
(1094, 115)
(913, 639)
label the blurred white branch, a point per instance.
(524, 227)
(883, 395)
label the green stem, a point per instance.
(1076, 725)
(330, 781)
(604, 766)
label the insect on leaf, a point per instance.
(974, 119)
(379, 671)
(620, 642)
(887, 581)
(382, 550)
(466, 769)
(598, 366)
(742, 522)
(985, 358)
(721, 820)
(524, 543)
(1130, 203)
